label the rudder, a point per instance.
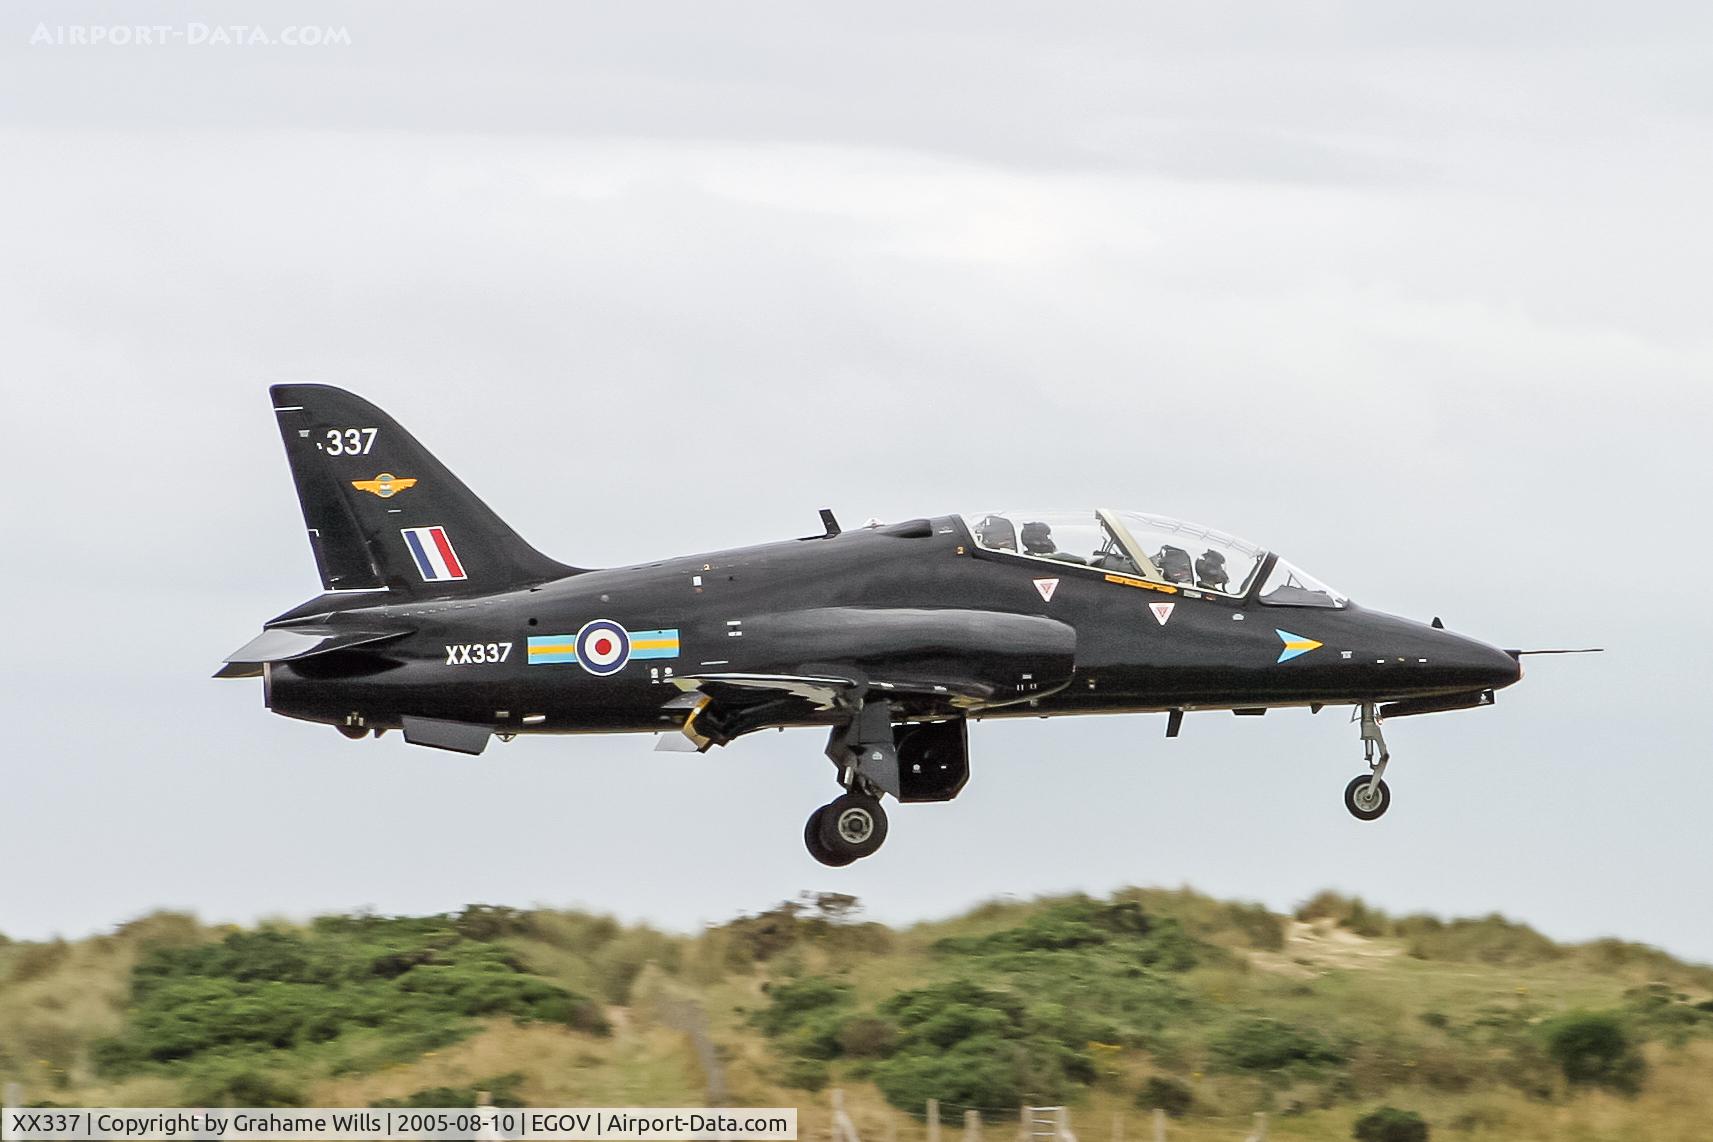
(383, 512)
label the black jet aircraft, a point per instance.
(438, 620)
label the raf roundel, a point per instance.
(603, 647)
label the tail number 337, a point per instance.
(349, 441)
(476, 653)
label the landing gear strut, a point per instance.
(1367, 797)
(853, 825)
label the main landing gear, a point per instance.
(850, 828)
(853, 825)
(1367, 797)
(913, 762)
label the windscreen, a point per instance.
(1288, 585)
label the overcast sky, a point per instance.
(1415, 295)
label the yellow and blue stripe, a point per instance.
(1295, 644)
(548, 649)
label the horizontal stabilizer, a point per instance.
(286, 644)
(1582, 650)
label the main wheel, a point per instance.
(1366, 804)
(812, 841)
(853, 826)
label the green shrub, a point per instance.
(1594, 1049)
(1260, 1045)
(983, 1070)
(865, 1037)
(1657, 1010)
(1388, 1124)
(792, 1002)
(488, 922)
(804, 1074)
(1107, 969)
(1168, 1094)
(237, 1085)
(970, 1045)
(417, 983)
(1081, 923)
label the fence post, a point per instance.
(972, 1126)
(1023, 1124)
(487, 1132)
(1062, 1124)
(933, 1120)
(1259, 1134)
(844, 1130)
(1117, 1127)
(1159, 1125)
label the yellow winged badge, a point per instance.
(386, 485)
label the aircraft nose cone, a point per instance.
(1487, 667)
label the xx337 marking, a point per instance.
(476, 653)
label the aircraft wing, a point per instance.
(287, 644)
(819, 691)
(925, 661)
(723, 706)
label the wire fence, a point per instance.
(940, 1121)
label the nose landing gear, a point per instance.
(1367, 797)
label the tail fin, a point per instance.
(383, 512)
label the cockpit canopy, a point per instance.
(1150, 547)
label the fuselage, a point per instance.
(512, 659)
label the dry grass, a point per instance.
(561, 1068)
(1403, 1013)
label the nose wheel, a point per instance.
(851, 827)
(1367, 797)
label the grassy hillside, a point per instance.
(1211, 1011)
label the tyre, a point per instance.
(1363, 804)
(812, 841)
(853, 826)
